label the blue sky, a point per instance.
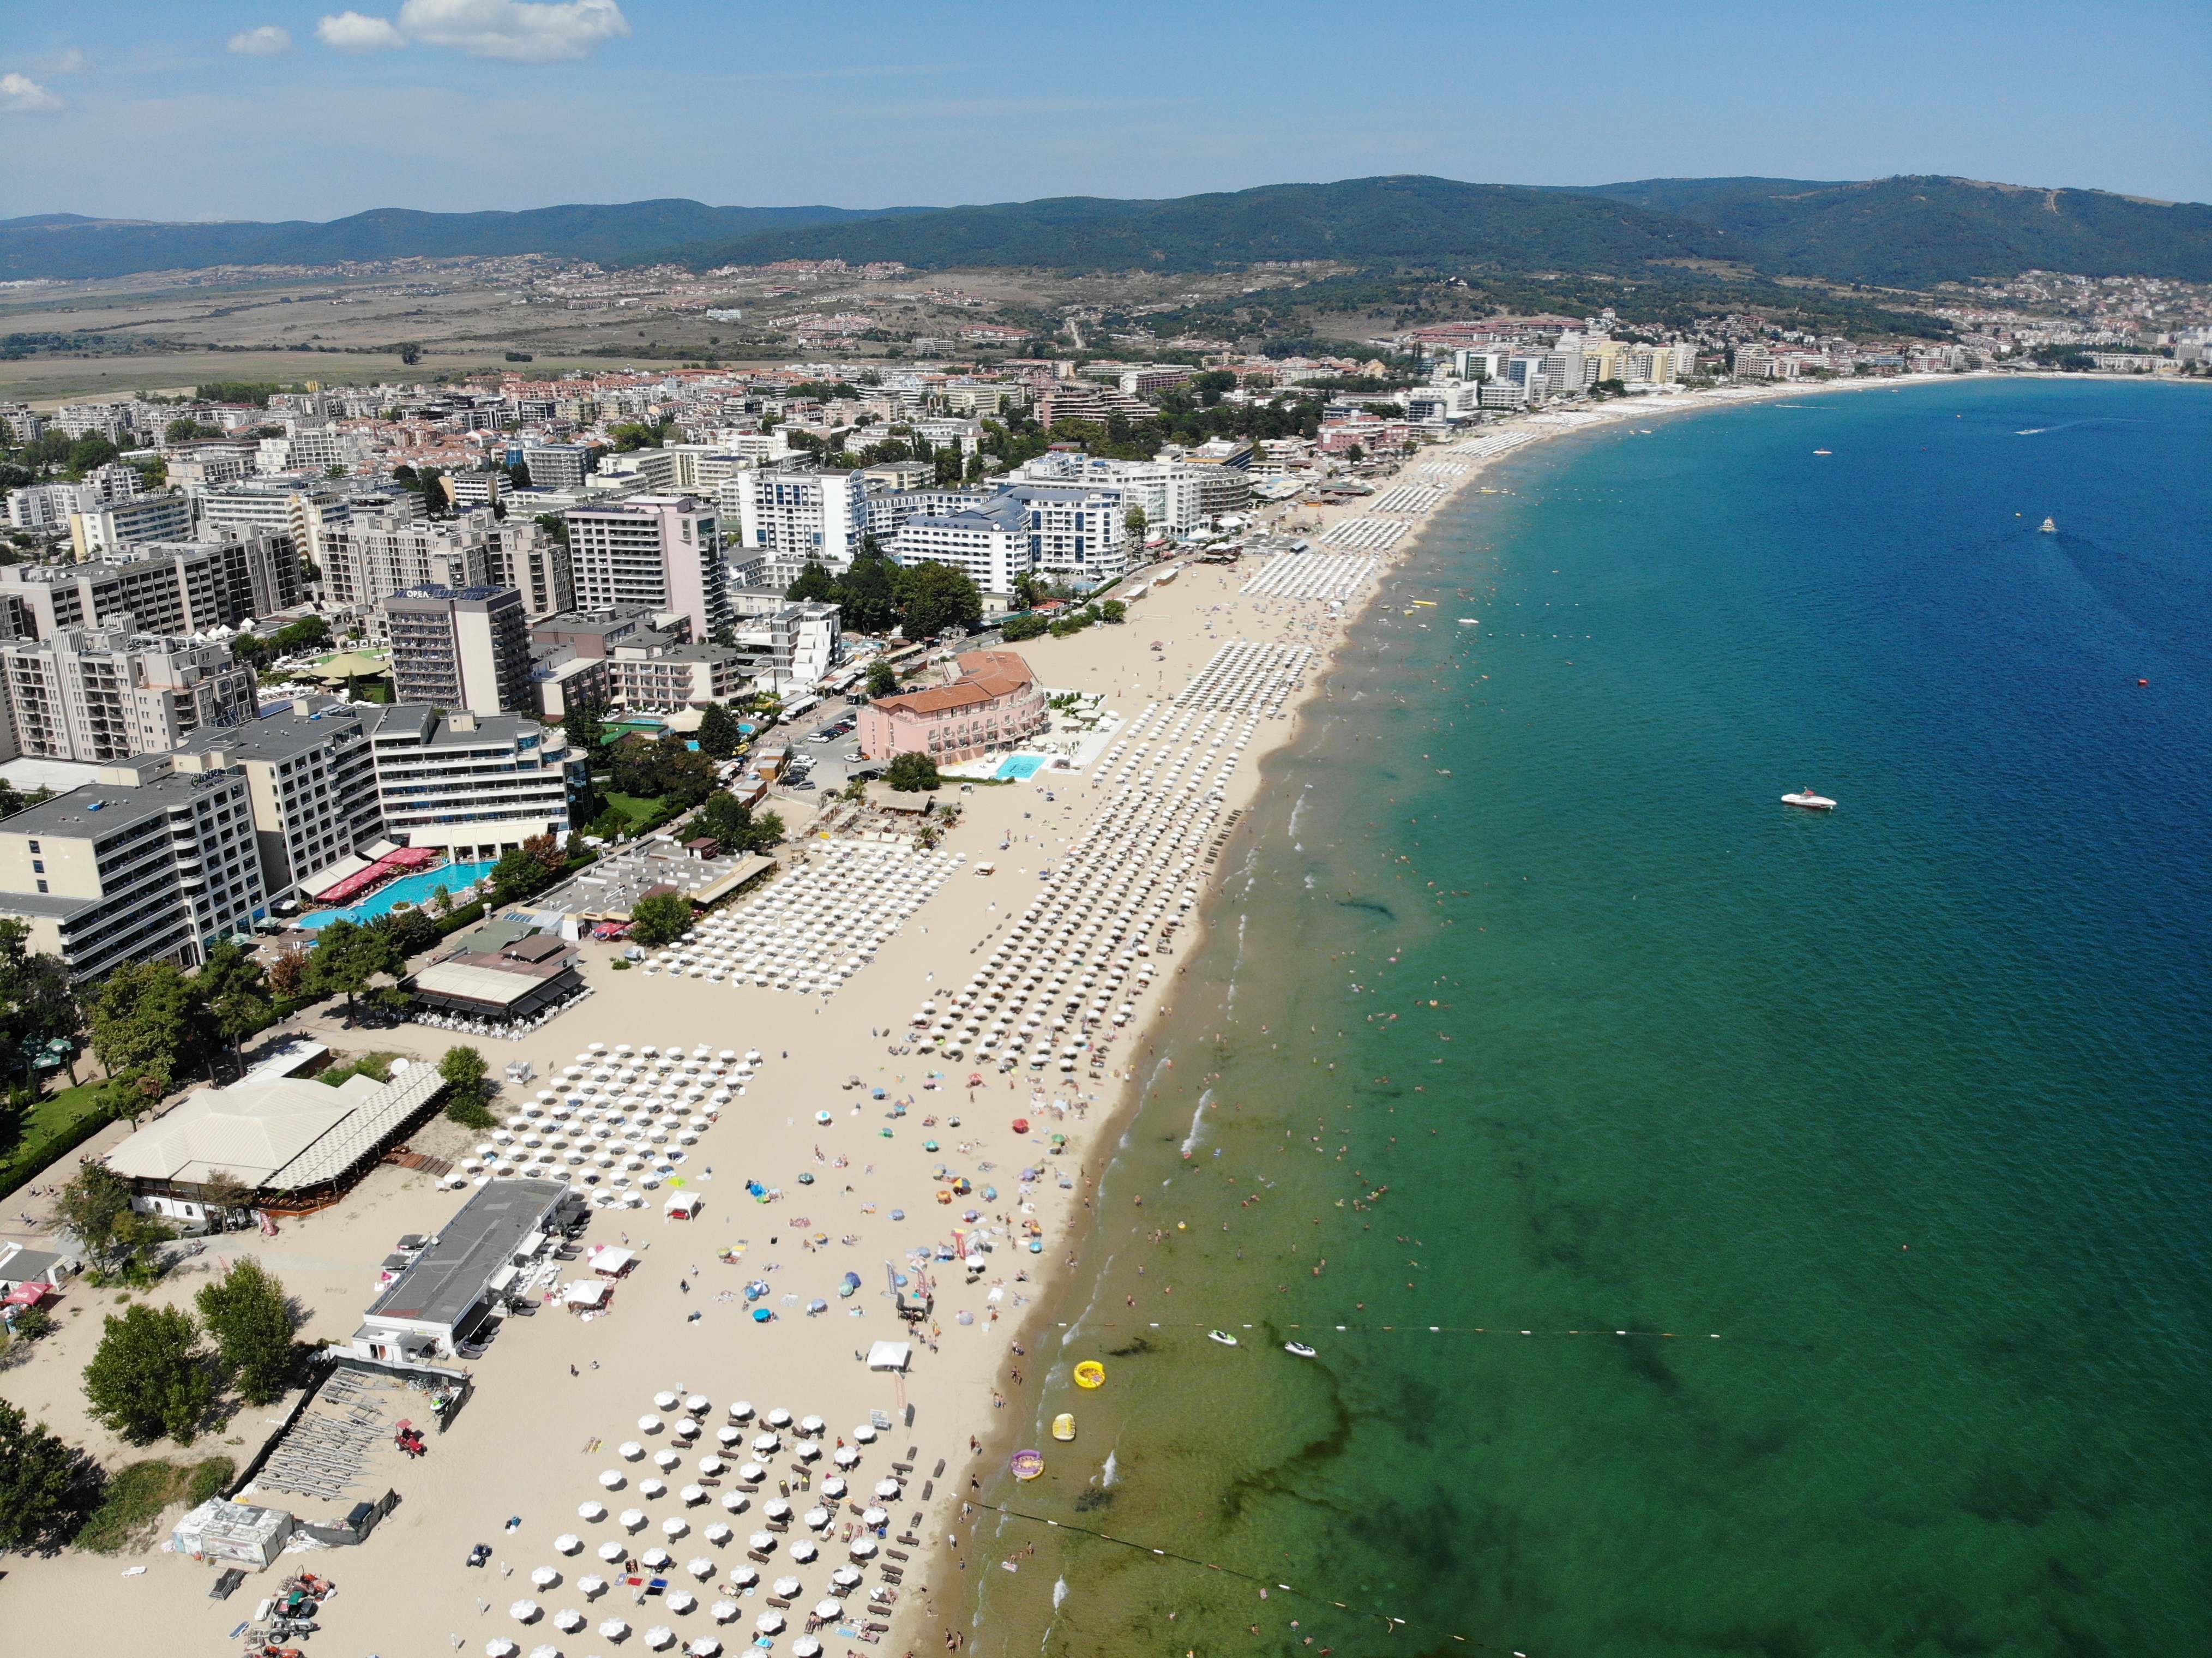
(214, 109)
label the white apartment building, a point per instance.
(139, 866)
(371, 554)
(169, 588)
(792, 519)
(557, 465)
(986, 540)
(523, 556)
(1077, 532)
(663, 552)
(459, 647)
(164, 517)
(1170, 494)
(473, 786)
(104, 694)
(310, 785)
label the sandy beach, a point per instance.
(557, 1395)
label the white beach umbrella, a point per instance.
(743, 1577)
(888, 1490)
(569, 1620)
(650, 1489)
(778, 1417)
(863, 1548)
(807, 1646)
(629, 1450)
(705, 1647)
(667, 1459)
(833, 1488)
(614, 1553)
(697, 1403)
(693, 1494)
(762, 1541)
(700, 1566)
(612, 1479)
(613, 1629)
(709, 1465)
(785, 1587)
(499, 1647)
(827, 1610)
(731, 1437)
(777, 1508)
(592, 1588)
(567, 1543)
(866, 1433)
(673, 1527)
(816, 1519)
(873, 1517)
(846, 1578)
(803, 1550)
(723, 1610)
(681, 1601)
(659, 1638)
(719, 1533)
(767, 1445)
(769, 1623)
(523, 1611)
(651, 1424)
(735, 1502)
(632, 1519)
(656, 1558)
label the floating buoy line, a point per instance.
(1388, 1620)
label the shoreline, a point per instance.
(516, 1449)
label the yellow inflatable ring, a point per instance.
(1090, 1374)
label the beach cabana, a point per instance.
(683, 1206)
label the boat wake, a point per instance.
(1197, 1124)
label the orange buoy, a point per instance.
(2142, 682)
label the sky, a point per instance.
(257, 109)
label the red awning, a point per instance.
(382, 870)
(28, 1294)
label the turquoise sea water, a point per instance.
(1906, 1105)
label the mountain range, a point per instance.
(1907, 232)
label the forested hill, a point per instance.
(1392, 221)
(1903, 232)
(1912, 232)
(67, 246)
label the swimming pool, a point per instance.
(1023, 765)
(407, 889)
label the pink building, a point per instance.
(994, 705)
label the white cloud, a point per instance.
(20, 95)
(514, 31)
(68, 61)
(350, 31)
(267, 41)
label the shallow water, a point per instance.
(1882, 1134)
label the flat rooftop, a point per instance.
(448, 1277)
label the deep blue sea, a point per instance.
(1531, 1015)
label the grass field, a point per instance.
(47, 1131)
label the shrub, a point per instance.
(660, 919)
(150, 1376)
(912, 773)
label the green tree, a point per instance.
(725, 817)
(468, 1091)
(1134, 522)
(934, 596)
(883, 679)
(768, 831)
(912, 773)
(93, 1208)
(1028, 588)
(661, 918)
(47, 1487)
(1027, 625)
(346, 957)
(665, 769)
(813, 586)
(309, 633)
(719, 736)
(88, 451)
(143, 1023)
(151, 1376)
(413, 930)
(1114, 613)
(251, 1320)
(867, 593)
(233, 994)
(38, 1000)
(580, 726)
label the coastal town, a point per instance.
(622, 910)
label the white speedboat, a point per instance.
(1809, 801)
(1222, 1336)
(1298, 1350)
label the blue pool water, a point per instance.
(1021, 765)
(407, 889)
